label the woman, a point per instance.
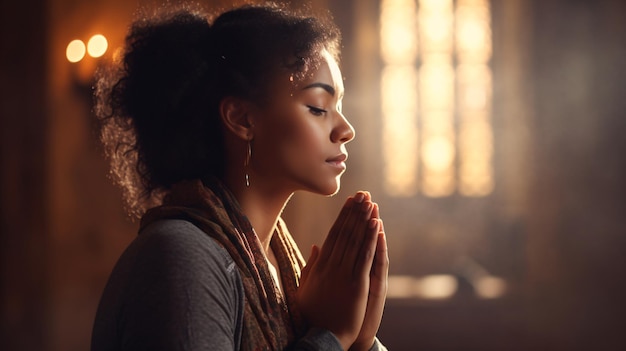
(210, 128)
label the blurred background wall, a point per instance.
(550, 233)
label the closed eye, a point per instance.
(315, 111)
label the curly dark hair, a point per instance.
(159, 106)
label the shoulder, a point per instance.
(180, 240)
(174, 285)
(177, 252)
(174, 254)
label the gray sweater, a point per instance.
(176, 288)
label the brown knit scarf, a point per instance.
(270, 322)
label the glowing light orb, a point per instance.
(75, 51)
(97, 45)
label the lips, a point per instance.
(338, 161)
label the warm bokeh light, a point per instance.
(474, 82)
(436, 89)
(436, 23)
(448, 73)
(97, 45)
(400, 129)
(75, 50)
(436, 286)
(438, 153)
(429, 287)
(400, 287)
(473, 31)
(435, 5)
(476, 150)
(397, 29)
(445, 286)
(399, 96)
(438, 158)
(436, 83)
(485, 285)
(490, 287)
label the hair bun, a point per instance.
(164, 58)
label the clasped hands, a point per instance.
(344, 285)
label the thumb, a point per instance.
(315, 252)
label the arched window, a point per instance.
(436, 93)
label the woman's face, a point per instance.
(300, 133)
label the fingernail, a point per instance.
(366, 208)
(373, 223)
(359, 198)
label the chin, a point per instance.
(328, 188)
(331, 189)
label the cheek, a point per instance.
(294, 147)
(305, 138)
(297, 133)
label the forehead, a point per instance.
(327, 72)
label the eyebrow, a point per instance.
(324, 86)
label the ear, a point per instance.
(236, 116)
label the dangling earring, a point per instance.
(247, 162)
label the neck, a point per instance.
(261, 205)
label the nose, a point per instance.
(343, 131)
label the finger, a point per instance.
(375, 211)
(312, 259)
(335, 230)
(368, 195)
(377, 294)
(368, 212)
(354, 233)
(380, 267)
(344, 235)
(381, 259)
(315, 253)
(367, 250)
